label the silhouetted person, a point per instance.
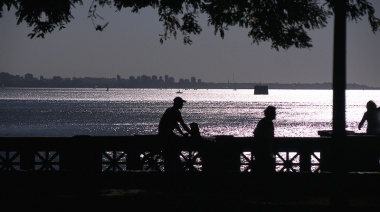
(169, 129)
(372, 117)
(194, 130)
(264, 138)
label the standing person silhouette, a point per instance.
(169, 122)
(264, 138)
(372, 118)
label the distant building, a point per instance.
(193, 80)
(28, 76)
(170, 80)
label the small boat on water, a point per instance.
(261, 90)
(179, 91)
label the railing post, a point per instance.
(81, 154)
(305, 160)
(133, 160)
(27, 157)
(326, 158)
(222, 156)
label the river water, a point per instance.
(98, 112)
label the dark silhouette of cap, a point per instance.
(178, 100)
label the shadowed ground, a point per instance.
(185, 191)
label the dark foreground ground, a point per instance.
(80, 191)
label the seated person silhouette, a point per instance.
(169, 130)
(264, 138)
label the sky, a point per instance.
(130, 46)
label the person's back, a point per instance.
(376, 122)
(373, 124)
(169, 121)
(264, 135)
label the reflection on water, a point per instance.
(68, 112)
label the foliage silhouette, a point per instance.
(283, 23)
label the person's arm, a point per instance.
(184, 125)
(362, 121)
(178, 129)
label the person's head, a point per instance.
(270, 112)
(178, 102)
(371, 105)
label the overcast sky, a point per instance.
(130, 46)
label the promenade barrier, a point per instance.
(128, 172)
(205, 154)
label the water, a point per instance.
(97, 112)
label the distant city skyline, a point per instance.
(31, 75)
(130, 46)
(145, 81)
